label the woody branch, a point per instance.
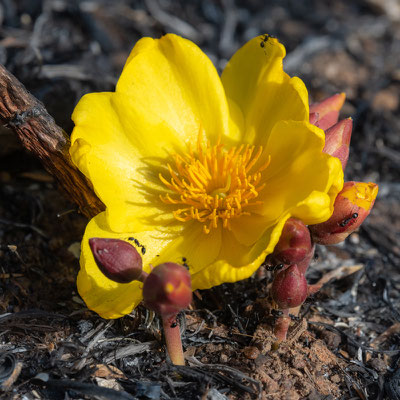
(40, 135)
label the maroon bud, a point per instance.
(327, 110)
(117, 260)
(168, 289)
(289, 288)
(294, 244)
(352, 205)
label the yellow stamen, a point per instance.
(214, 184)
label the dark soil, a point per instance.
(346, 343)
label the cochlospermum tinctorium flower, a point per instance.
(198, 168)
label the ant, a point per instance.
(347, 220)
(274, 267)
(184, 263)
(137, 243)
(264, 40)
(276, 313)
(294, 317)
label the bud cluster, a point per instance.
(295, 248)
(167, 290)
(293, 253)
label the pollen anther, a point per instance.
(214, 184)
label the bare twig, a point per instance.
(129, 350)
(39, 134)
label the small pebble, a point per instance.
(291, 395)
(286, 384)
(335, 378)
(261, 360)
(378, 365)
(251, 352)
(223, 358)
(298, 363)
(386, 99)
(331, 339)
(276, 376)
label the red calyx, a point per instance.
(294, 244)
(167, 290)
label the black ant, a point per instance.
(265, 39)
(137, 243)
(347, 220)
(294, 317)
(275, 267)
(276, 313)
(184, 259)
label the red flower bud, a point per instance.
(289, 288)
(327, 110)
(168, 289)
(294, 244)
(117, 260)
(337, 140)
(352, 205)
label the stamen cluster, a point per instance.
(214, 184)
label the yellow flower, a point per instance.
(199, 169)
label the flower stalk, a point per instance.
(281, 328)
(167, 291)
(173, 339)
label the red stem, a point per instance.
(173, 339)
(281, 328)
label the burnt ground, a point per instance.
(347, 343)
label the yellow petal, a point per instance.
(169, 91)
(236, 261)
(247, 229)
(318, 206)
(362, 194)
(194, 246)
(127, 183)
(254, 79)
(172, 80)
(300, 178)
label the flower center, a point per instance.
(214, 184)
